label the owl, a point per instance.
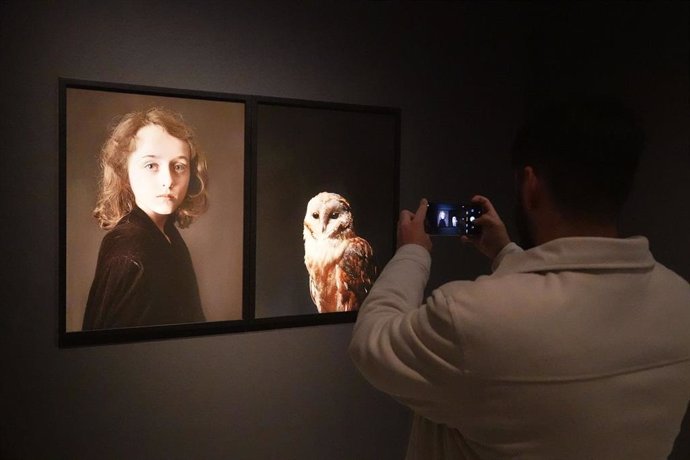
(340, 263)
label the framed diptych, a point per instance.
(187, 213)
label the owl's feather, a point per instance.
(356, 271)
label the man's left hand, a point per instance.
(411, 227)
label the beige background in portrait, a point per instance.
(215, 240)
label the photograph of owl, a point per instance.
(340, 264)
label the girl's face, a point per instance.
(159, 172)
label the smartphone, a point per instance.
(452, 219)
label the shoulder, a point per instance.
(129, 239)
(671, 277)
(496, 317)
(509, 301)
(672, 288)
(492, 289)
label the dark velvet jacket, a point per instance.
(142, 279)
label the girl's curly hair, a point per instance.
(115, 197)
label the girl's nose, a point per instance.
(167, 178)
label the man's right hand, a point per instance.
(494, 235)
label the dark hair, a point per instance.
(587, 150)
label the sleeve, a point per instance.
(115, 295)
(408, 350)
(510, 248)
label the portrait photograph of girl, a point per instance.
(154, 206)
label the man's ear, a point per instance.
(531, 188)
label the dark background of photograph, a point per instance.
(463, 74)
(433, 219)
(215, 239)
(300, 153)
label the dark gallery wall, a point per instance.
(462, 73)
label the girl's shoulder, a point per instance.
(130, 239)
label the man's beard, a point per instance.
(523, 227)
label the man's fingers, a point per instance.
(420, 215)
(485, 203)
(406, 215)
(483, 219)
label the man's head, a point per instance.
(585, 151)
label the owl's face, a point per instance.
(328, 216)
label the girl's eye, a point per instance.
(180, 167)
(150, 166)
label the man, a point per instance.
(575, 348)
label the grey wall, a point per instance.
(463, 73)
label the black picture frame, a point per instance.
(261, 120)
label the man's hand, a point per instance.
(411, 227)
(494, 235)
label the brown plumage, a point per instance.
(340, 263)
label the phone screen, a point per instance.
(452, 219)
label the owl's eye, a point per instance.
(315, 215)
(335, 214)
